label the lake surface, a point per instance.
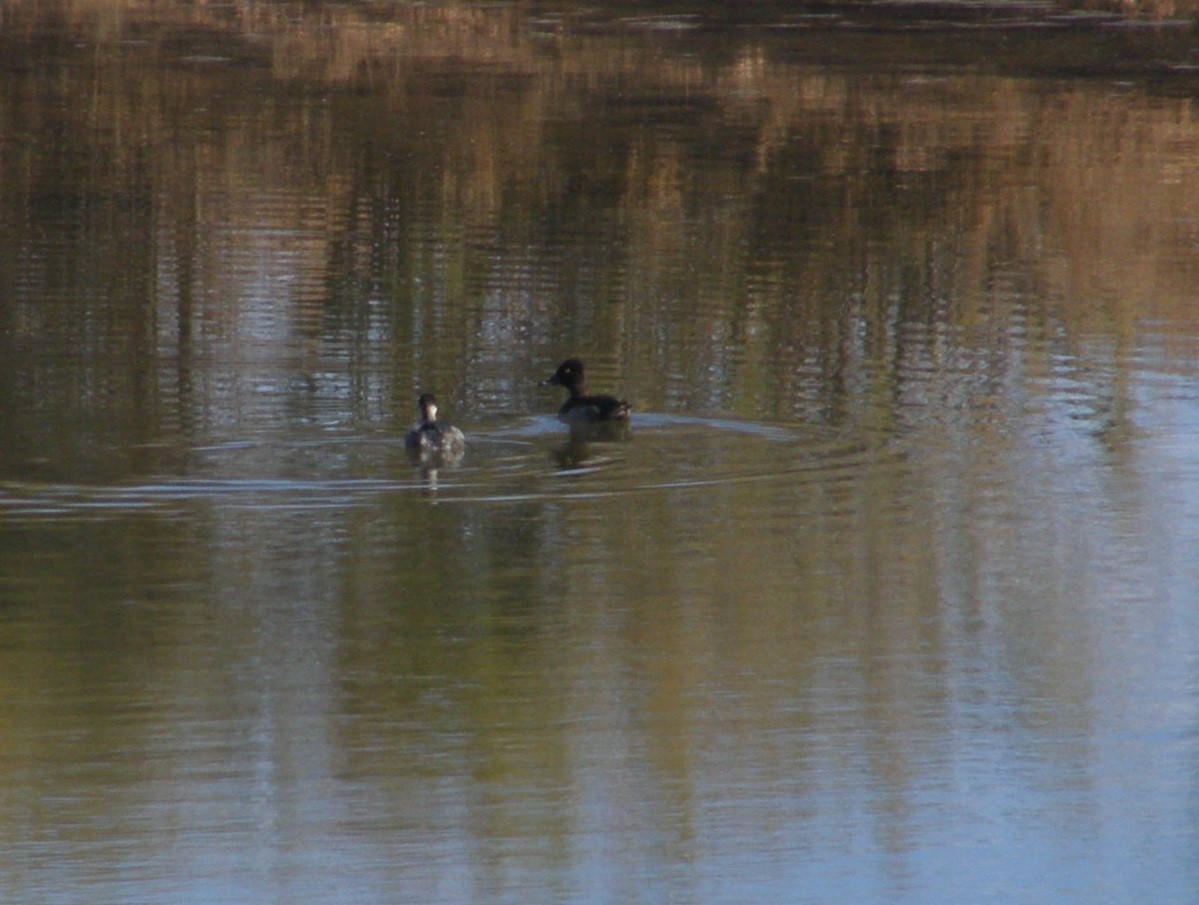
(890, 596)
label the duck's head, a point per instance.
(569, 375)
(428, 407)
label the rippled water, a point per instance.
(534, 458)
(888, 595)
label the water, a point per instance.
(889, 596)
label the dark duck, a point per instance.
(431, 438)
(581, 408)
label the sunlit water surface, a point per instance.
(888, 596)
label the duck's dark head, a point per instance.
(569, 375)
(428, 407)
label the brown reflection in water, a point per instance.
(461, 186)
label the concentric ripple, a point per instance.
(533, 458)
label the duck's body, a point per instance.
(580, 407)
(432, 438)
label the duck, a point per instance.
(430, 437)
(581, 408)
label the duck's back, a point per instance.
(590, 409)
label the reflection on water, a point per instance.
(888, 594)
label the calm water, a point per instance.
(890, 597)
